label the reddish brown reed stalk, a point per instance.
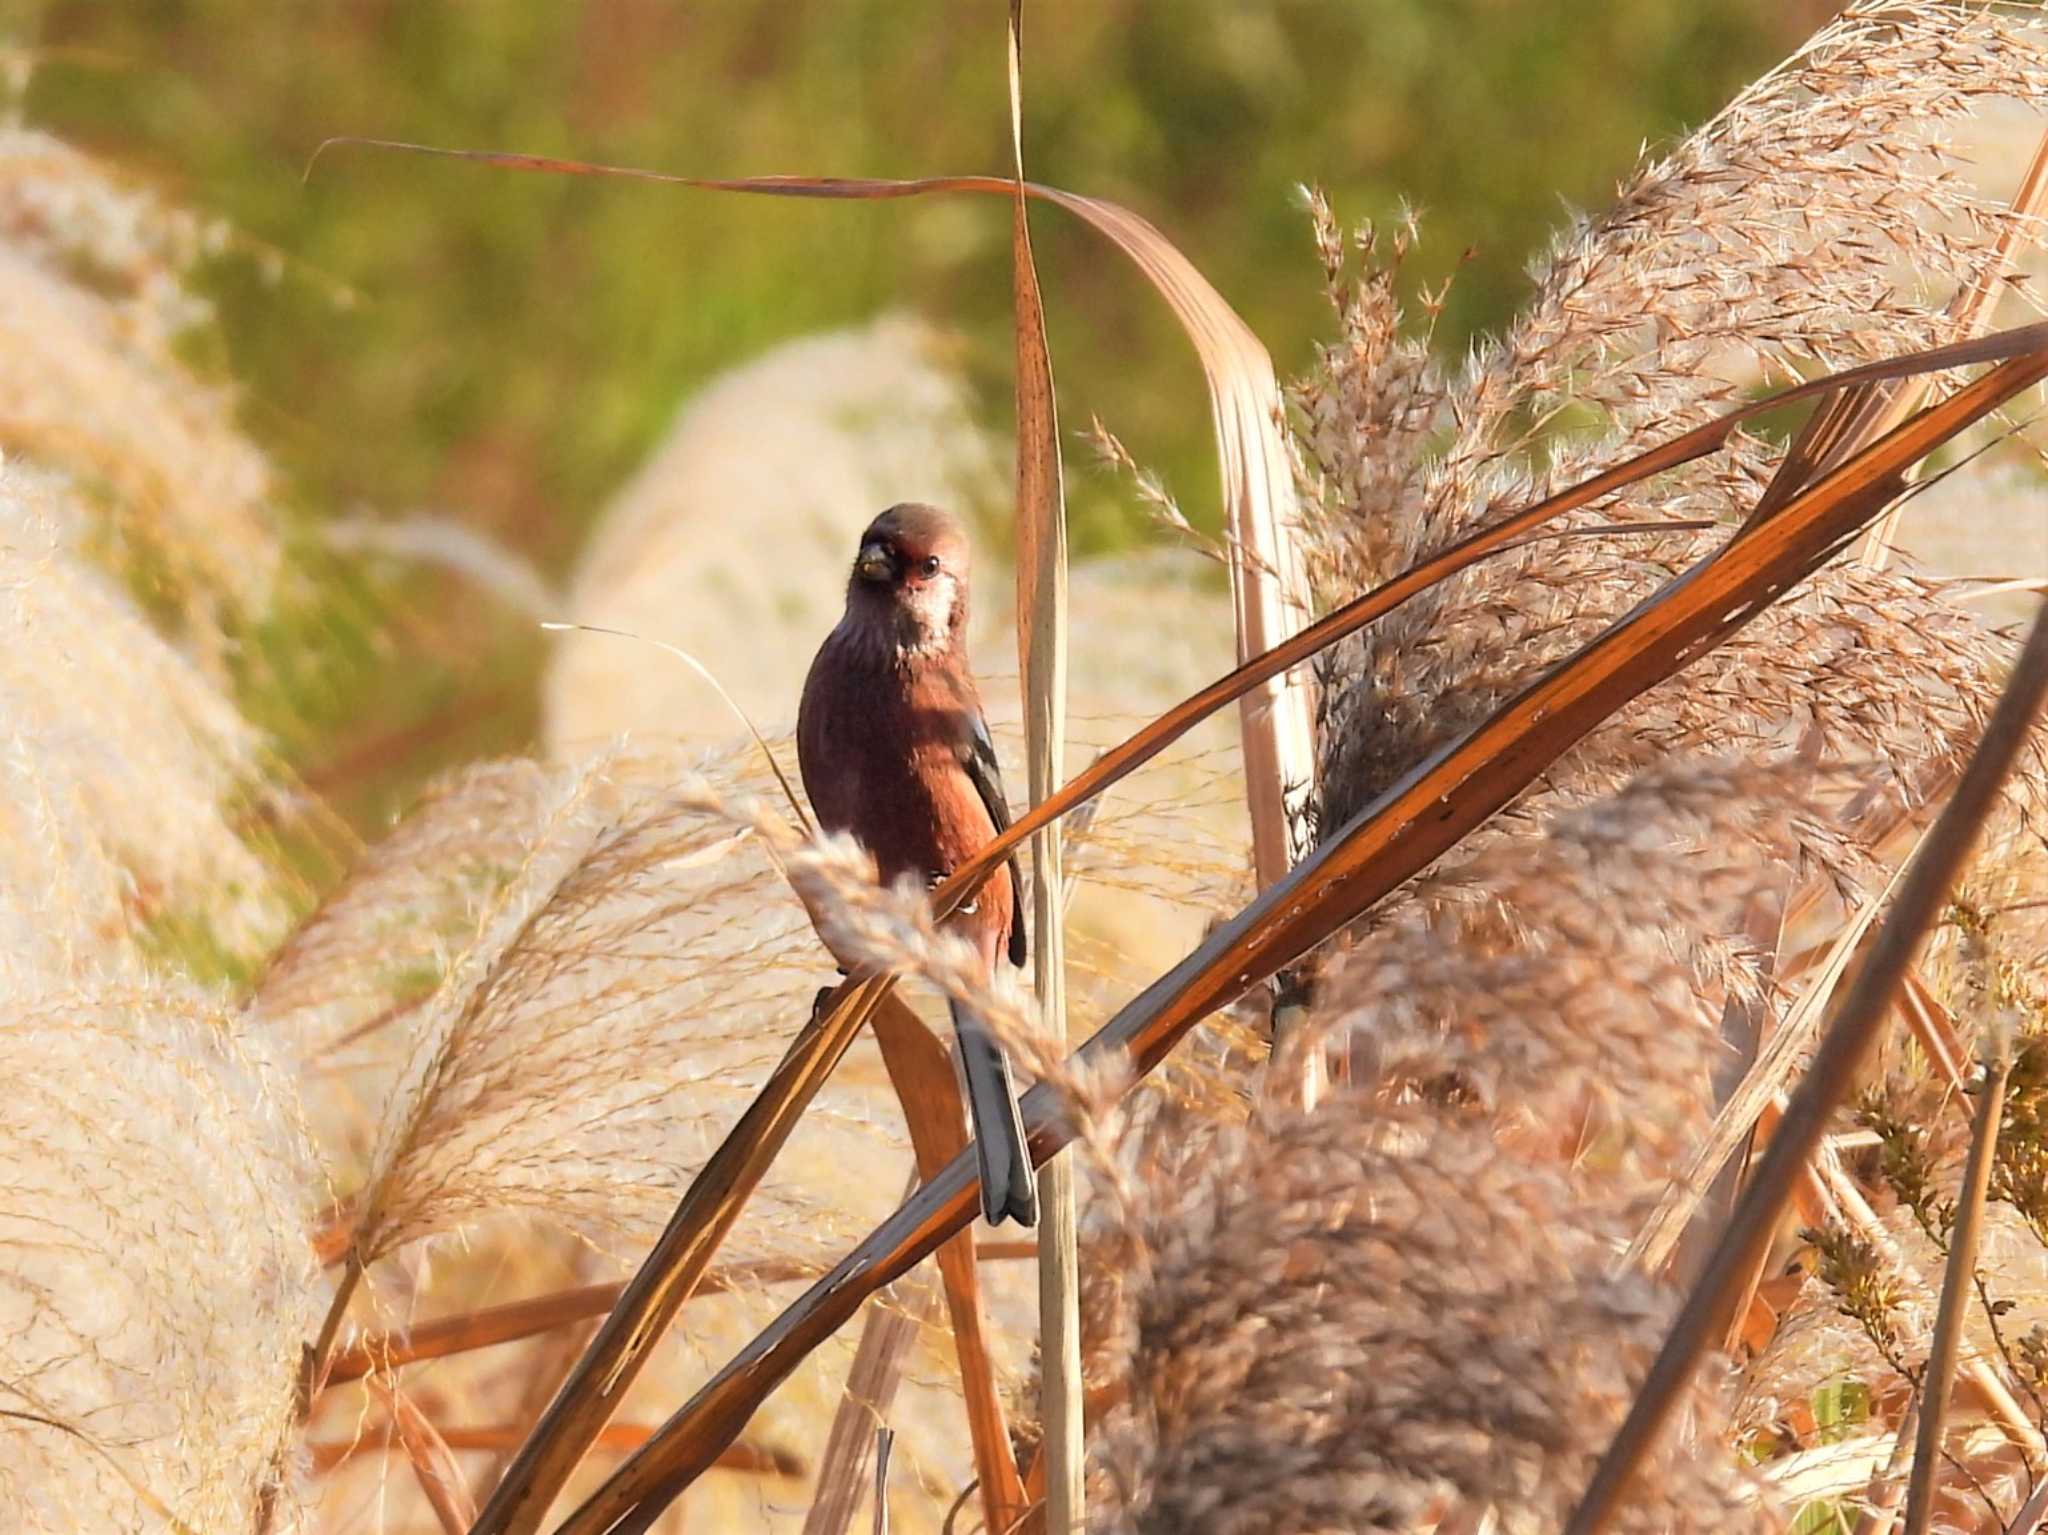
(616, 1439)
(1957, 1285)
(673, 1270)
(1381, 846)
(433, 1463)
(492, 1325)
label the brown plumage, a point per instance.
(894, 750)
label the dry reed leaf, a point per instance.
(1818, 221)
(1041, 534)
(1348, 783)
(155, 1286)
(1258, 477)
(1382, 846)
(1956, 1293)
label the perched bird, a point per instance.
(894, 750)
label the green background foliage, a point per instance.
(423, 336)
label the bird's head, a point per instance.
(909, 581)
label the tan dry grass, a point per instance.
(552, 985)
(155, 1284)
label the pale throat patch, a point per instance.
(929, 609)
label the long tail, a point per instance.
(1009, 1191)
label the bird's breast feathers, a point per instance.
(881, 749)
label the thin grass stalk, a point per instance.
(1935, 1032)
(871, 1382)
(1844, 1202)
(1881, 1499)
(492, 1325)
(1850, 1035)
(433, 1463)
(320, 1352)
(1971, 310)
(1042, 664)
(1957, 1283)
(1383, 845)
(617, 1439)
(672, 1270)
(1738, 1117)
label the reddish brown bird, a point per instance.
(894, 750)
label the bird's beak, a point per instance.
(875, 564)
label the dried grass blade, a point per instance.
(1970, 310)
(1756, 1092)
(1413, 823)
(1244, 401)
(922, 1076)
(1851, 1032)
(1261, 517)
(433, 1463)
(1956, 1286)
(846, 1469)
(492, 1325)
(618, 1439)
(1161, 733)
(672, 1270)
(1845, 1203)
(1042, 663)
(1935, 1032)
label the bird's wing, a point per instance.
(978, 757)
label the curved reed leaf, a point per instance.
(1415, 821)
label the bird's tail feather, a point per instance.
(1009, 1191)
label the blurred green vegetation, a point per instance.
(424, 336)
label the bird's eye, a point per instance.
(931, 565)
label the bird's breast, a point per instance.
(879, 749)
